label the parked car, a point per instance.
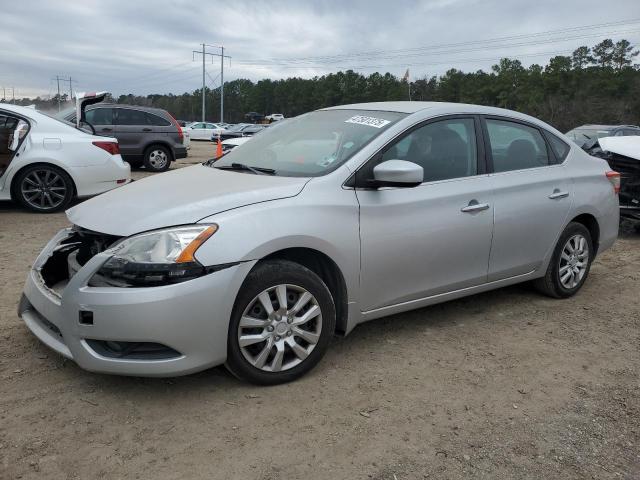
(232, 143)
(274, 117)
(46, 163)
(325, 221)
(205, 130)
(623, 155)
(147, 136)
(253, 117)
(240, 130)
(186, 137)
(591, 133)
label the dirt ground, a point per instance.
(503, 385)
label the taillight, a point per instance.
(112, 147)
(614, 178)
(177, 125)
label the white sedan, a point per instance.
(232, 143)
(204, 130)
(46, 163)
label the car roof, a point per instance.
(19, 109)
(441, 108)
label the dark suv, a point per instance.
(147, 136)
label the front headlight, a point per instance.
(162, 257)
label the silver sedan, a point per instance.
(322, 222)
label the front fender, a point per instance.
(328, 224)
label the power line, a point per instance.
(446, 47)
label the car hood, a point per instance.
(178, 197)
(625, 146)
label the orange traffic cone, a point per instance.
(219, 149)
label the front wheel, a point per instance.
(157, 158)
(281, 324)
(570, 263)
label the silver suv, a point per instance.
(147, 136)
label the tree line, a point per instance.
(592, 85)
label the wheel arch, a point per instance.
(16, 174)
(591, 224)
(327, 269)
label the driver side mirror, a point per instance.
(398, 173)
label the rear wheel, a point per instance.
(43, 188)
(157, 158)
(281, 324)
(570, 264)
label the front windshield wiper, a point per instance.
(242, 166)
(587, 136)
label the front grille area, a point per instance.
(133, 350)
(71, 254)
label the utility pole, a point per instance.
(222, 57)
(221, 84)
(59, 79)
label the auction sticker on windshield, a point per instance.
(370, 121)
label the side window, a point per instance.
(128, 116)
(100, 116)
(560, 148)
(515, 146)
(444, 149)
(631, 132)
(156, 121)
(618, 133)
(197, 125)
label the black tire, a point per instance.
(43, 188)
(157, 158)
(551, 284)
(267, 275)
(135, 162)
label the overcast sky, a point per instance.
(145, 46)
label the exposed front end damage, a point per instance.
(623, 155)
(126, 331)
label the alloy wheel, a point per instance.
(43, 189)
(158, 159)
(574, 261)
(280, 328)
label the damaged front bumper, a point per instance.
(155, 331)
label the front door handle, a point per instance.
(107, 129)
(146, 130)
(558, 194)
(474, 206)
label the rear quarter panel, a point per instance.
(593, 194)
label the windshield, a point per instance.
(582, 135)
(313, 144)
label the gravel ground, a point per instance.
(503, 385)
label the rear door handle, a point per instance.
(474, 206)
(107, 129)
(146, 130)
(558, 194)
